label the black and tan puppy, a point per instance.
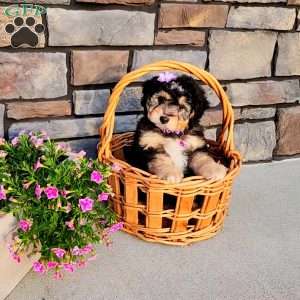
(169, 140)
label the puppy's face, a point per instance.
(172, 105)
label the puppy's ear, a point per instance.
(149, 88)
(199, 100)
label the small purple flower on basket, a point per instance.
(15, 141)
(51, 192)
(3, 154)
(38, 267)
(2, 193)
(182, 143)
(103, 196)
(116, 227)
(166, 77)
(86, 204)
(96, 176)
(69, 267)
(52, 264)
(76, 251)
(25, 225)
(60, 253)
(38, 191)
(37, 165)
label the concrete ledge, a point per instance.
(11, 272)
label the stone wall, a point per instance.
(62, 83)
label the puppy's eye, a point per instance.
(161, 99)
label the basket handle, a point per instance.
(225, 139)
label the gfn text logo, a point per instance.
(24, 9)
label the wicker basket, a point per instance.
(153, 209)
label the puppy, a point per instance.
(169, 141)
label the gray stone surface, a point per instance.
(288, 126)
(241, 55)
(101, 27)
(288, 61)
(264, 92)
(98, 66)
(70, 128)
(255, 256)
(88, 102)
(142, 57)
(2, 110)
(257, 113)
(276, 18)
(32, 75)
(255, 141)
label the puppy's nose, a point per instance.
(164, 119)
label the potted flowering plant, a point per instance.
(59, 199)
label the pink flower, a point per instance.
(38, 267)
(59, 252)
(103, 196)
(81, 264)
(13, 254)
(69, 267)
(3, 154)
(2, 141)
(76, 156)
(38, 191)
(15, 141)
(68, 208)
(82, 222)
(166, 77)
(96, 176)
(76, 251)
(25, 225)
(86, 249)
(52, 264)
(116, 167)
(63, 147)
(70, 224)
(37, 142)
(64, 193)
(51, 192)
(2, 193)
(57, 275)
(37, 165)
(116, 227)
(86, 204)
(26, 185)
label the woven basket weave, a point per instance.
(153, 209)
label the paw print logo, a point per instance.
(24, 32)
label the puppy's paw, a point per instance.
(212, 171)
(173, 177)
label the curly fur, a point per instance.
(171, 107)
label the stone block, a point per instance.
(241, 55)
